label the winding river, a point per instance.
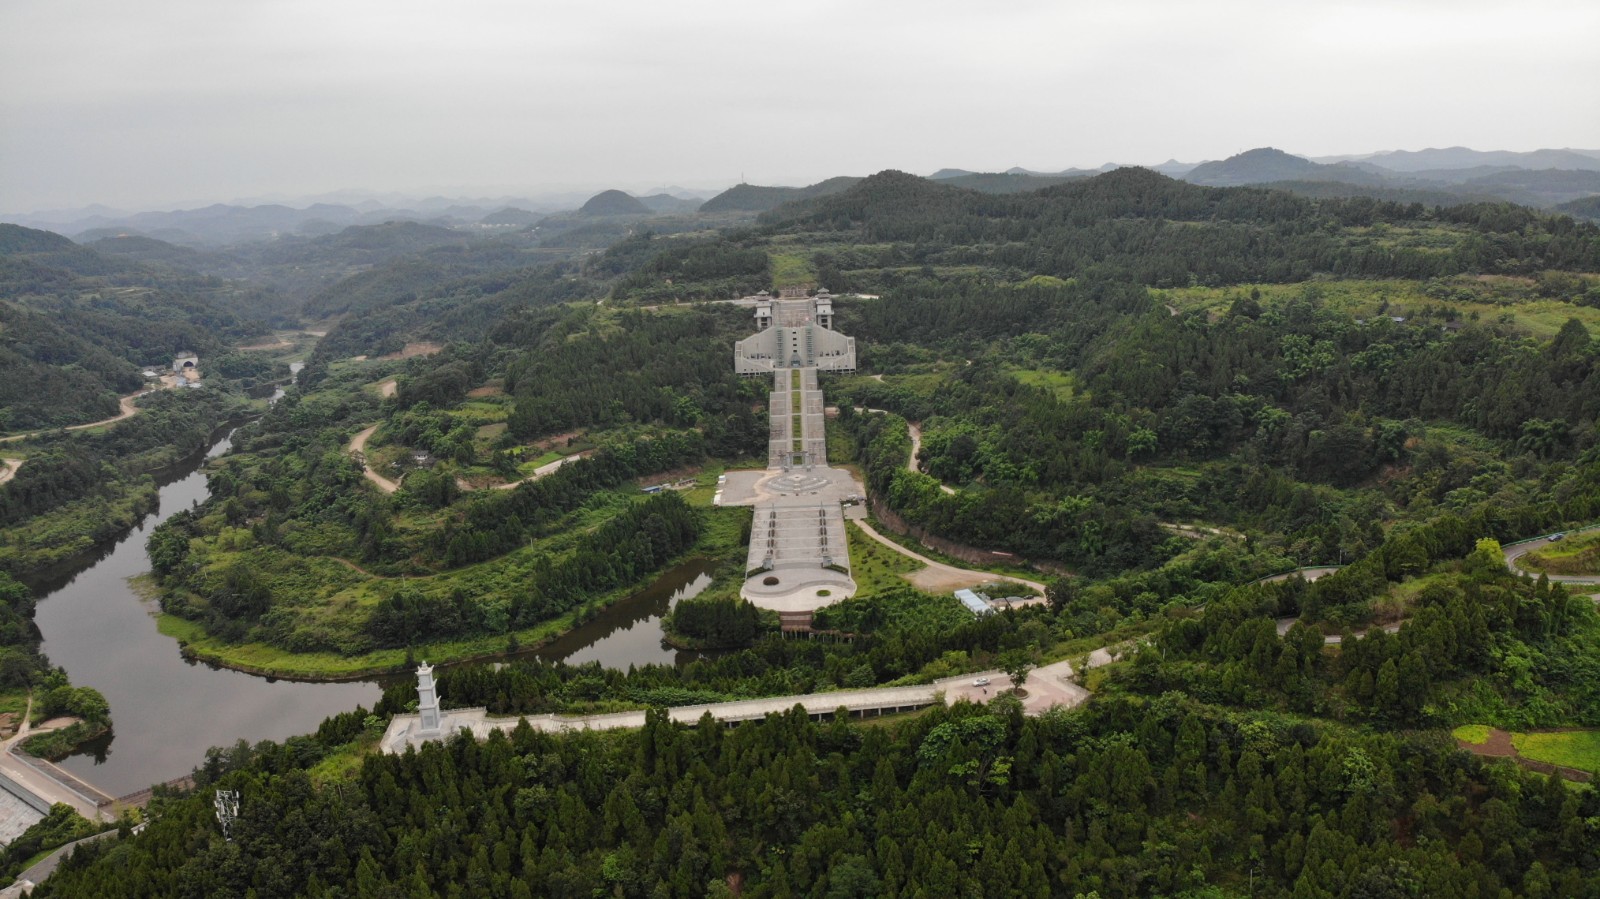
(167, 710)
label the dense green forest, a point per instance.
(1157, 394)
(80, 325)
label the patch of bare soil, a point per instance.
(556, 440)
(486, 390)
(423, 348)
(1497, 746)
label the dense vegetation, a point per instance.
(80, 325)
(1138, 796)
(1159, 392)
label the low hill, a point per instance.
(1003, 182)
(1266, 164)
(150, 250)
(756, 198)
(613, 202)
(1587, 208)
(1538, 188)
(511, 216)
(415, 276)
(1421, 162)
(79, 325)
(667, 204)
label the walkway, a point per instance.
(938, 577)
(799, 556)
(1047, 687)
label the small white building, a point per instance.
(974, 602)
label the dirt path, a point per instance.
(1197, 531)
(545, 469)
(916, 450)
(129, 410)
(11, 468)
(387, 388)
(358, 448)
(938, 577)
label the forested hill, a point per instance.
(78, 325)
(755, 198)
(1136, 224)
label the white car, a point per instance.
(981, 682)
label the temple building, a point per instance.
(794, 331)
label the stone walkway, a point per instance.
(1047, 687)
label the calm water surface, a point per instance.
(167, 710)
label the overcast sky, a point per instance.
(165, 103)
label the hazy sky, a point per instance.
(160, 103)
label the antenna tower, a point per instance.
(227, 810)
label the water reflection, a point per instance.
(628, 632)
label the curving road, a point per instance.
(946, 575)
(358, 448)
(125, 404)
(1513, 553)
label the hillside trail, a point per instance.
(916, 450)
(358, 448)
(125, 404)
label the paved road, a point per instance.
(46, 866)
(1513, 553)
(30, 778)
(949, 574)
(1047, 687)
(1309, 574)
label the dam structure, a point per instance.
(799, 556)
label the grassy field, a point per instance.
(1571, 749)
(1489, 298)
(792, 270)
(1476, 734)
(875, 566)
(1061, 383)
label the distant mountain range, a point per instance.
(1551, 179)
(1544, 178)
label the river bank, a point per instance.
(555, 639)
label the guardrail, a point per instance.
(1578, 530)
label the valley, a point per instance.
(1115, 407)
